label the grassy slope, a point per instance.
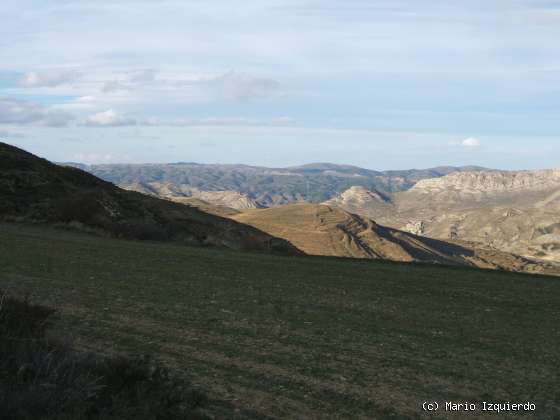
(305, 337)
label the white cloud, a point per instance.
(47, 78)
(21, 112)
(242, 87)
(86, 98)
(109, 118)
(90, 158)
(470, 142)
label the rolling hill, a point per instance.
(330, 231)
(35, 190)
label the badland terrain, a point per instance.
(514, 212)
(341, 306)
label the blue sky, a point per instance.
(379, 84)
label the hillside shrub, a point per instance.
(84, 208)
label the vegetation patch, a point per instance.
(44, 378)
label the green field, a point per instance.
(300, 337)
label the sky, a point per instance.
(385, 84)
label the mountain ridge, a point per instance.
(492, 181)
(267, 187)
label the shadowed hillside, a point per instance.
(35, 190)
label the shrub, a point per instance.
(20, 318)
(80, 207)
(44, 379)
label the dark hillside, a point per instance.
(34, 190)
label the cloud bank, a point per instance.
(403, 67)
(22, 112)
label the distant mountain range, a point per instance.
(262, 187)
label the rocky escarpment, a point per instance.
(491, 182)
(512, 211)
(359, 196)
(179, 193)
(356, 198)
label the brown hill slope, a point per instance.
(327, 230)
(35, 190)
